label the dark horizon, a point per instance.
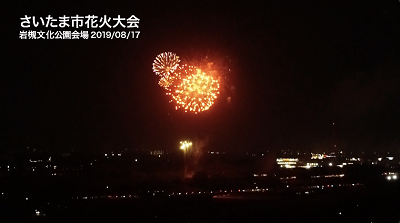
(297, 67)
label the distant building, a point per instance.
(287, 162)
(157, 152)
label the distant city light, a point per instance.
(317, 156)
(330, 164)
(287, 162)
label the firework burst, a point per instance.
(195, 91)
(165, 64)
(194, 87)
(214, 64)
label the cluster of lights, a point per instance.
(218, 193)
(112, 154)
(310, 165)
(157, 152)
(260, 175)
(39, 213)
(185, 145)
(192, 89)
(287, 162)
(321, 156)
(106, 197)
(288, 178)
(391, 176)
(318, 156)
(328, 176)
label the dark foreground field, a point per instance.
(353, 206)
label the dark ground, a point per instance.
(348, 206)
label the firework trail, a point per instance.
(192, 153)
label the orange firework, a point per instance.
(194, 88)
(217, 65)
(195, 91)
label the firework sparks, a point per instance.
(215, 65)
(165, 64)
(167, 81)
(196, 90)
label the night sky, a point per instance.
(296, 67)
